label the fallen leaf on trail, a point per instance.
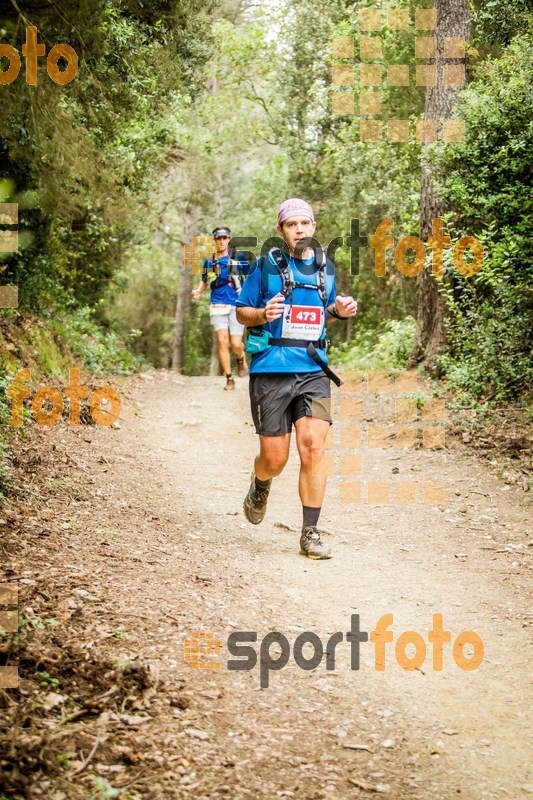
(285, 526)
(52, 700)
(366, 787)
(356, 746)
(450, 732)
(133, 721)
(380, 788)
(196, 733)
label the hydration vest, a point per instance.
(289, 284)
(233, 272)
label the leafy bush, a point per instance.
(198, 341)
(485, 180)
(145, 300)
(385, 350)
(102, 350)
(490, 352)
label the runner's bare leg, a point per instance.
(273, 456)
(237, 345)
(223, 350)
(311, 440)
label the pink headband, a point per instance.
(294, 207)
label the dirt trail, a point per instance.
(167, 550)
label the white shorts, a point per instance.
(224, 317)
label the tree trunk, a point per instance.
(453, 20)
(183, 299)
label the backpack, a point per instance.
(233, 271)
(289, 284)
(263, 338)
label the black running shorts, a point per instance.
(279, 399)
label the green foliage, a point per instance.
(65, 759)
(81, 159)
(486, 177)
(384, 350)
(490, 346)
(262, 132)
(47, 681)
(144, 303)
(498, 21)
(6, 474)
(198, 341)
(102, 350)
(486, 180)
(343, 178)
(105, 789)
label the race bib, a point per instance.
(303, 322)
(219, 308)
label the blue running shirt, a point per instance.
(225, 293)
(301, 316)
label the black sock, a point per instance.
(262, 484)
(311, 515)
(228, 375)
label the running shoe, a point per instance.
(311, 545)
(255, 502)
(230, 385)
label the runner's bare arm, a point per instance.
(202, 286)
(249, 316)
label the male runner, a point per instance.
(227, 269)
(287, 384)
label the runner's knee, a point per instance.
(310, 447)
(275, 466)
(310, 456)
(274, 462)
